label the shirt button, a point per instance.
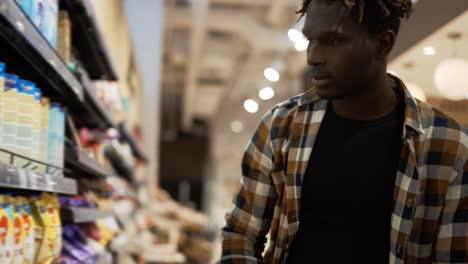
(410, 202)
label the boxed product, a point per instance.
(50, 22)
(44, 14)
(56, 136)
(37, 13)
(44, 133)
(25, 5)
(36, 125)
(24, 125)
(64, 37)
(6, 230)
(2, 87)
(9, 110)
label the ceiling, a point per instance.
(215, 52)
(422, 67)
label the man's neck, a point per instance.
(376, 101)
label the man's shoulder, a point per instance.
(441, 125)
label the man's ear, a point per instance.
(385, 43)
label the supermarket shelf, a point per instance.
(82, 215)
(20, 35)
(102, 114)
(18, 178)
(93, 51)
(80, 160)
(136, 148)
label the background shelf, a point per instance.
(78, 215)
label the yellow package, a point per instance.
(50, 247)
(54, 230)
(39, 218)
(6, 230)
(29, 229)
(44, 132)
(18, 232)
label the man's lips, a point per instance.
(321, 79)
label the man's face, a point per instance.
(341, 53)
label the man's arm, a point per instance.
(250, 220)
(452, 241)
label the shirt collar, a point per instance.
(412, 112)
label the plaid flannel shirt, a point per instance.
(430, 211)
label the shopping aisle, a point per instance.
(74, 183)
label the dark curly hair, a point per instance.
(377, 15)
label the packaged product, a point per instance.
(56, 135)
(36, 126)
(37, 13)
(51, 21)
(44, 137)
(24, 126)
(64, 36)
(29, 230)
(19, 233)
(9, 111)
(75, 245)
(54, 225)
(25, 5)
(6, 230)
(2, 87)
(39, 218)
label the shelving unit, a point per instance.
(22, 36)
(29, 55)
(136, 148)
(93, 49)
(23, 179)
(81, 161)
(45, 67)
(77, 215)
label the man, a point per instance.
(356, 170)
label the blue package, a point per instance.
(26, 87)
(11, 81)
(37, 13)
(37, 94)
(51, 21)
(2, 68)
(26, 6)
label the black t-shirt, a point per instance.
(347, 191)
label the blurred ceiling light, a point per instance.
(302, 45)
(429, 51)
(294, 35)
(451, 77)
(237, 126)
(416, 91)
(271, 74)
(266, 93)
(251, 106)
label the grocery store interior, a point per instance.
(123, 122)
